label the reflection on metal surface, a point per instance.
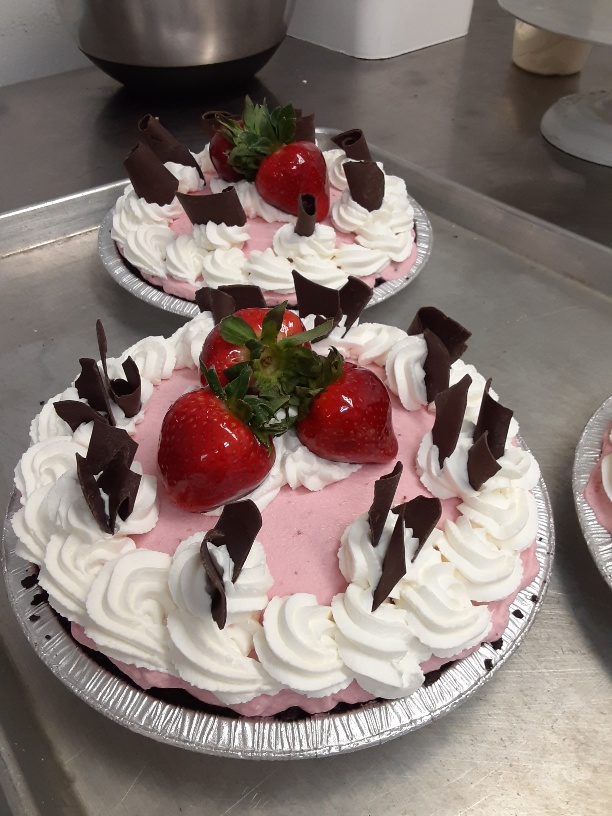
(588, 451)
(267, 738)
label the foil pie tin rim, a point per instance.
(266, 738)
(588, 452)
(122, 274)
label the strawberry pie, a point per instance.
(273, 509)
(229, 215)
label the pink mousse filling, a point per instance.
(595, 494)
(301, 532)
(261, 237)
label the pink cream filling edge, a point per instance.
(594, 492)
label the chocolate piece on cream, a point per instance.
(354, 297)
(91, 492)
(495, 419)
(384, 493)
(354, 144)
(452, 334)
(394, 563)
(421, 515)
(218, 599)
(436, 366)
(166, 147)
(220, 304)
(124, 393)
(106, 443)
(77, 413)
(316, 299)
(246, 296)
(211, 123)
(366, 183)
(450, 410)
(307, 215)
(304, 127)
(90, 386)
(150, 179)
(239, 523)
(481, 464)
(120, 485)
(220, 208)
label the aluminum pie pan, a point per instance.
(126, 276)
(588, 452)
(265, 738)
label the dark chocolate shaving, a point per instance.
(481, 463)
(450, 410)
(384, 493)
(495, 419)
(91, 491)
(246, 296)
(120, 485)
(150, 179)
(394, 564)
(452, 334)
(366, 183)
(421, 515)
(90, 386)
(304, 127)
(211, 123)
(316, 299)
(307, 215)
(77, 413)
(166, 147)
(124, 393)
(220, 208)
(354, 297)
(437, 365)
(218, 599)
(239, 524)
(354, 144)
(106, 443)
(219, 303)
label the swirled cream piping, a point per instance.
(488, 572)
(405, 372)
(378, 647)
(359, 260)
(128, 606)
(43, 463)
(187, 341)
(297, 646)
(335, 160)
(146, 247)
(252, 203)
(451, 479)
(509, 516)
(154, 356)
(303, 468)
(269, 271)
(188, 177)
(224, 267)
(132, 211)
(185, 259)
(47, 423)
(288, 244)
(213, 236)
(321, 270)
(370, 342)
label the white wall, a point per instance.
(33, 41)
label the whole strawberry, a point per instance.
(351, 421)
(208, 455)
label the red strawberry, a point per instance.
(219, 354)
(351, 420)
(295, 169)
(220, 148)
(207, 456)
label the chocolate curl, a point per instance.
(218, 599)
(452, 334)
(121, 486)
(354, 297)
(450, 410)
(77, 413)
(90, 386)
(124, 393)
(239, 524)
(495, 419)
(481, 464)
(384, 493)
(316, 299)
(304, 127)
(166, 147)
(106, 443)
(246, 296)
(220, 208)
(354, 144)
(421, 515)
(150, 179)
(394, 564)
(219, 303)
(211, 123)
(91, 492)
(366, 183)
(437, 365)
(307, 215)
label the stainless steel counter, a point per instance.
(536, 740)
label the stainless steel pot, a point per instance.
(135, 39)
